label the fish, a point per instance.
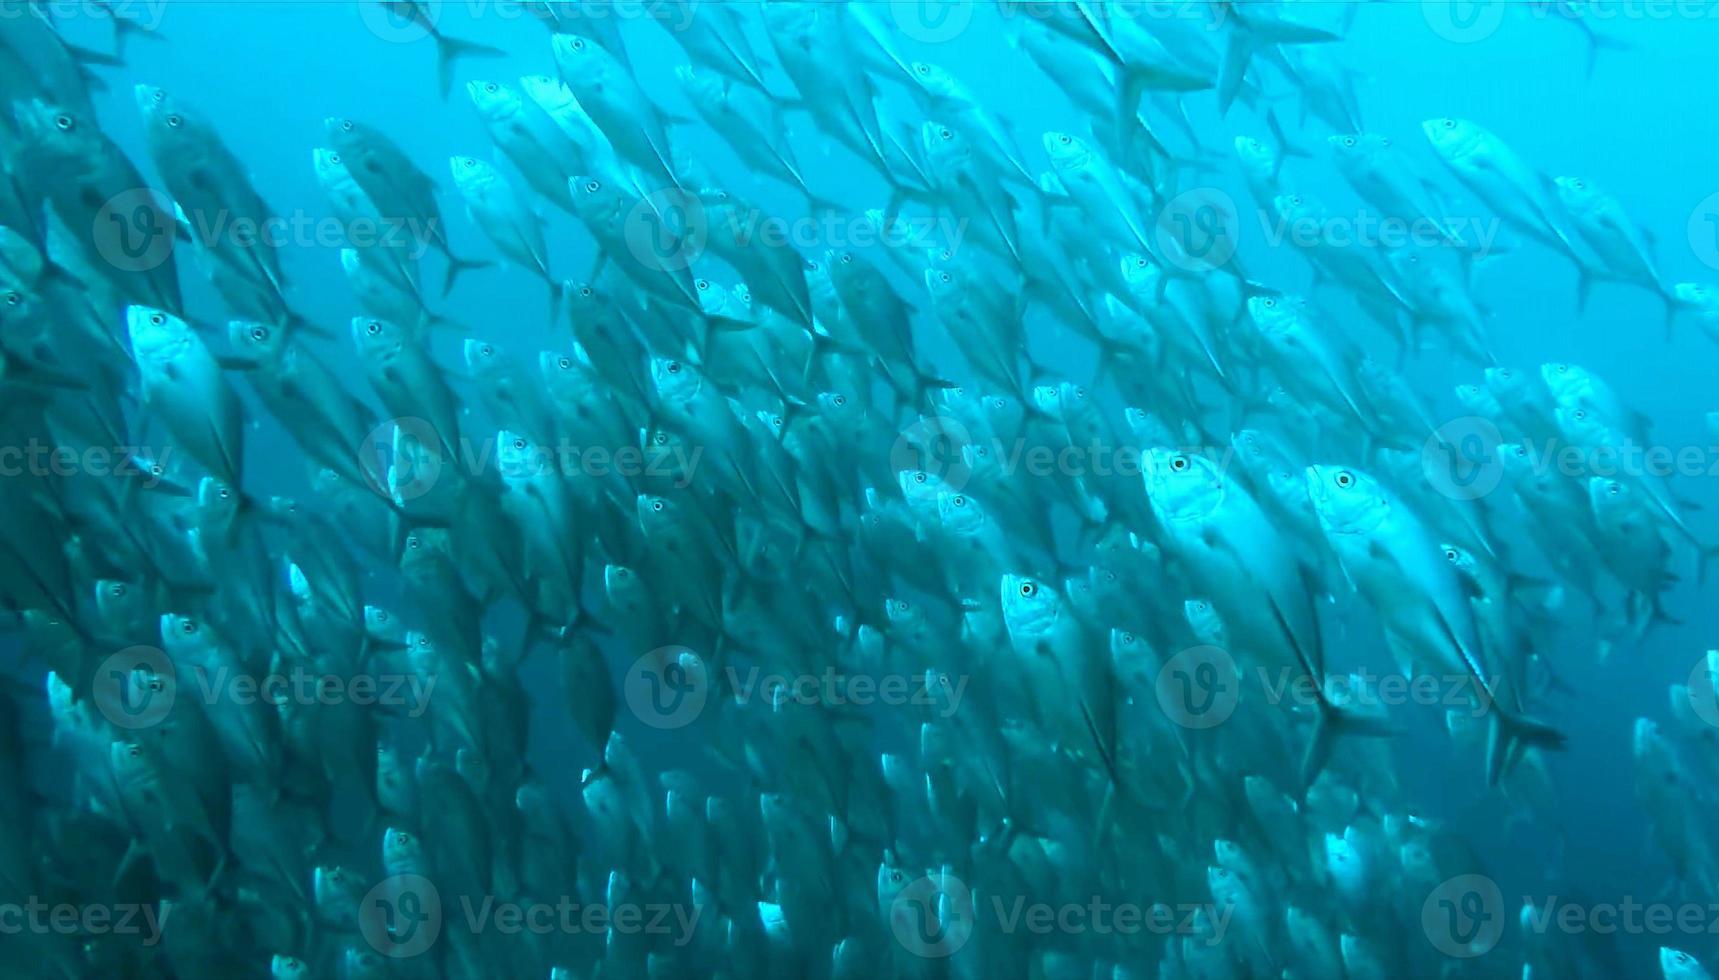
(1389, 559)
(403, 194)
(515, 230)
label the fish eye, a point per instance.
(959, 501)
(373, 328)
(158, 96)
(158, 319)
(919, 477)
(155, 469)
(346, 125)
(486, 350)
(259, 333)
(381, 615)
(982, 452)
(702, 284)
(188, 627)
(174, 120)
(66, 123)
(1065, 139)
(1140, 262)
(1345, 479)
(402, 838)
(13, 297)
(586, 292)
(847, 258)
(897, 877)
(564, 363)
(1450, 124)
(1269, 303)
(998, 402)
(945, 277)
(1614, 489)
(1127, 639)
(1562, 368)
(839, 400)
(657, 506)
(592, 186)
(673, 367)
(1581, 414)
(1028, 590)
(922, 68)
(116, 590)
(414, 542)
(776, 421)
(134, 750)
(1079, 392)
(1223, 873)
(1178, 463)
(1348, 141)
(224, 493)
(491, 88)
(661, 438)
(519, 443)
(1450, 554)
(577, 45)
(334, 158)
(946, 134)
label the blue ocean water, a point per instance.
(1640, 125)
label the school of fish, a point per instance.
(1052, 598)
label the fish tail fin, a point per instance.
(86, 58)
(452, 49)
(1285, 148)
(1509, 735)
(1598, 42)
(557, 290)
(924, 384)
(457, 265)
(1331, 723)
(1704, 554)
(1237, 54)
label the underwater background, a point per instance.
(1637, 122)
